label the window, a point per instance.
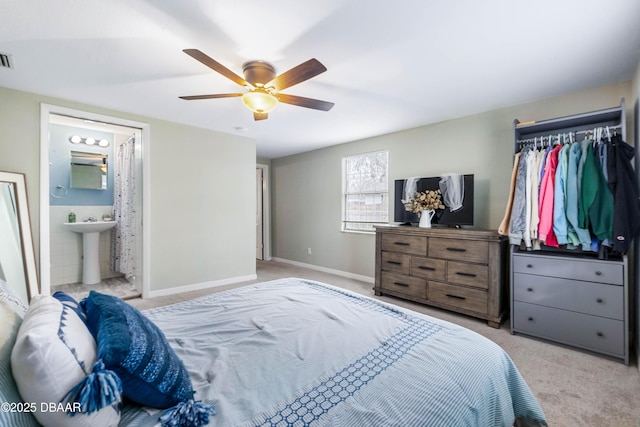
(365, 191)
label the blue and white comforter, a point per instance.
(294, 352)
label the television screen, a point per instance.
(462, 216)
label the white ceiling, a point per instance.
(392, 65)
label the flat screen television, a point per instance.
(443, 217)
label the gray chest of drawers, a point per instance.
(579, 302)
(461, 270)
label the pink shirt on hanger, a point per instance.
(545, 211)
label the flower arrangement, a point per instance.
(426, 200)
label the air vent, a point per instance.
(5, 60)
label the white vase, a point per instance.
(425, 218)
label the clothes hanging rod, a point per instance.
(551, 137)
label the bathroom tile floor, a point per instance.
(117, 286)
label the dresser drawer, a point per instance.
(584, 297)
(416, 245)
(463, 250)
(413, 286)
(567, 327)
(475, 275)
(429, 268)
(397, 262)
(458, 296)
(570, 268)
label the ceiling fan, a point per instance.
(262, 84)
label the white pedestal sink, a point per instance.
(90, 247)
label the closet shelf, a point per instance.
(579, 122)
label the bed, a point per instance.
(293, 352)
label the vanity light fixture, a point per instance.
(76, 139)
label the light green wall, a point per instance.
(201, 228)
(307, 187)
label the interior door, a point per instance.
(259, 219)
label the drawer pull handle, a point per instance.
(530, 319)
(600, 334)
(455, 297)
(598, 273)
(422, 267)
(394, 262)
(401, 243)
(461, 273)
(600, 300)
(529, 289)
(456, 249)
(529, 265)
(401, 284)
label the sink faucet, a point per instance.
(90, 219)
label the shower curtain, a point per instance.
(123, 248)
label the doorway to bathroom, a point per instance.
(63, 254)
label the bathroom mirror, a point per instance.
(88, 170)
(17, 257)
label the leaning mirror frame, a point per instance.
(24, 224)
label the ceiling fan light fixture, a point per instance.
(259, 101)
(264, 87)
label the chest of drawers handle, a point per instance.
(600, 300)
(598, 273)
(394, 262)
(529, 289)
(455, 297)
(401, 284)
(600, 334)
(422, 267)
(529, 265)
(460, 273)
(401, 243)
(456, 249)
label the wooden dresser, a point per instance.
(462, 270)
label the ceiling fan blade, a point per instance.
(300, 101)
(217, 95)
(260, 116)
(297, 74)
(216, 66)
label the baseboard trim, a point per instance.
(200, 286)
(341, 273)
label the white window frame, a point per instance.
(382, 191)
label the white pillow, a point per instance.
(11, 311)
(53, 352)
